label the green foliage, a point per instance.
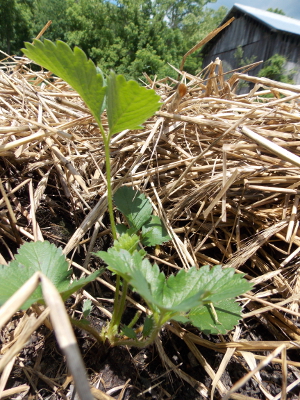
(274, 69)
(195, 27)
(128, 104)
(154, 232)
(15, 25)
(87, 307)
(137, 210)
(44, 257)
(240, 59)
(73, 67)
(146, 35)
(186, 296)
(135, 27)
(134, 206)
(175, 11)
(148, 326)
(129, 332)
(217, 318)
(276, 11)
(54, 10)
(204, 297)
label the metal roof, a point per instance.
(272, 20)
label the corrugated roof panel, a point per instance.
(272, 20)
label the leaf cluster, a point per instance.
(137, 210)
(203, 297)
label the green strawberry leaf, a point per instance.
(216, 320)
(154, 232)
(127, 242)
(128, 104)
(104, 84)
(73, 67)
(177, 293)
(44, 257)
(87, 307)
(148, 326)
(222, 283)
(122, 228)
(133, 205)
(121, 261)
(129, 332)
(185, 297)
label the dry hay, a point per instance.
(226, 195)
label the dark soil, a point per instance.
(141, 371)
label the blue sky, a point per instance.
(290, 7)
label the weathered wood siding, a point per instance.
(257, 40)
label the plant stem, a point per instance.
(135, 319)
(122, 303)
(109, 188)
(112, 329)
(114, 323)
(119, 306)
(87, 328)
(138, 343)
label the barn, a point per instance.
(259, 34)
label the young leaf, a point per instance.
(127, 242)
(217, 319)
(177, 293)
(87, 307)
(73, 67)
(134, 205)
(121, 261)
(129, 332)
(222, 283)
(148, 326)
(154, 232)
(44, 257)
(188, 289)
(128, 104)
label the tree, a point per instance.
(15, 27)
(197, 27)
(54, 10)
(128, 36)
(274, 69)
(276, 11)
(175, 11)
(139, 41)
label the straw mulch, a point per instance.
(226, 195)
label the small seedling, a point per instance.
(203, 297)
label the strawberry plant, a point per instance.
(202, 297)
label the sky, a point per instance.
(290, 7)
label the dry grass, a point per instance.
(221, 169)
